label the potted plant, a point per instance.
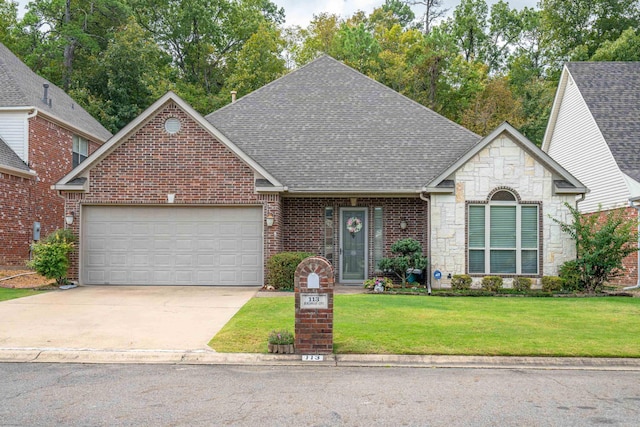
(378, 284)
(280, 342)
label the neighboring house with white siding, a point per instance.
(594, 132)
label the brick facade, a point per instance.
(629, 276)
(304, 222)
(33, 200)
(191, 164)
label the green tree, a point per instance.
(432, 11)
(258, 62)
(59, 35)
(8, 22)
(203, 36)
(492, 106)
(357, 47)
(317, 37)
(125, 79)
(468, 27)
(575, 30)
(624, 48)
(603, 240)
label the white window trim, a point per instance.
(487, 238)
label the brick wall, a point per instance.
(629, 276)
(304, 223)
(191, 164)
(15, 218)
(50, 155)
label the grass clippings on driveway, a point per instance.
(383, 324)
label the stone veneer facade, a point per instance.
(502, 164)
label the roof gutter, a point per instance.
(18, 172)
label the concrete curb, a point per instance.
(209, 357)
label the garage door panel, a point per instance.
(146, 245)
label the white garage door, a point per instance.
(141, 245)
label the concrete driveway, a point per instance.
(120, 317)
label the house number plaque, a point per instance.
(314, 301)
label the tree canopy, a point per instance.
(477, 64)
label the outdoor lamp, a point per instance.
(269, 220)
(403, 224)
(68, 218)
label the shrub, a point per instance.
(281, 269)
(570, 274)
(551, 284)
(281, 337)
(491, 283)
(602, 242)
(51, 255)
(461, 282)
(521, 283)
(409, 256)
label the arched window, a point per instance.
(503, 236)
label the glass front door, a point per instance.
(353, 245)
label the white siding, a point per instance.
(578, 145)
(14, 131)
(502, 163)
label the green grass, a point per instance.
(383, 324)
(7, 294)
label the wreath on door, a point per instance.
(354, 225)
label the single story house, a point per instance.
(43, 135)
(594, 131)
(324, 160)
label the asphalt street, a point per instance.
(95, 395)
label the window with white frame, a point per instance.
(80, 150)
(503, 236)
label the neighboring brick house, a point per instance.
(323, 160)
(594, 131)
(43, 135)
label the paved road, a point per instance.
(87, 395)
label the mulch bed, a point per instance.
(24, 280)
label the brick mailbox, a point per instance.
(314, 307)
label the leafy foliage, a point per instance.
(603, 240)
(282, 337)
(491, 283)
(551, 284)
(409, 257)
(281, 269)
(521, 284)
(461, 282)
(51, 255)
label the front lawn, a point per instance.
(384, 324)
(7, 294)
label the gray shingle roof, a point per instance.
(21, 87)
(327, 127)
(612, 92)
(9, 158)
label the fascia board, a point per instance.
(18, 172)
(555, 108)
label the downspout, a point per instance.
(427, 279)
(637, 208)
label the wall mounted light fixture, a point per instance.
(269, 220)
(403, 224)
(69, 217)
(171, 197)
(354, 201)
